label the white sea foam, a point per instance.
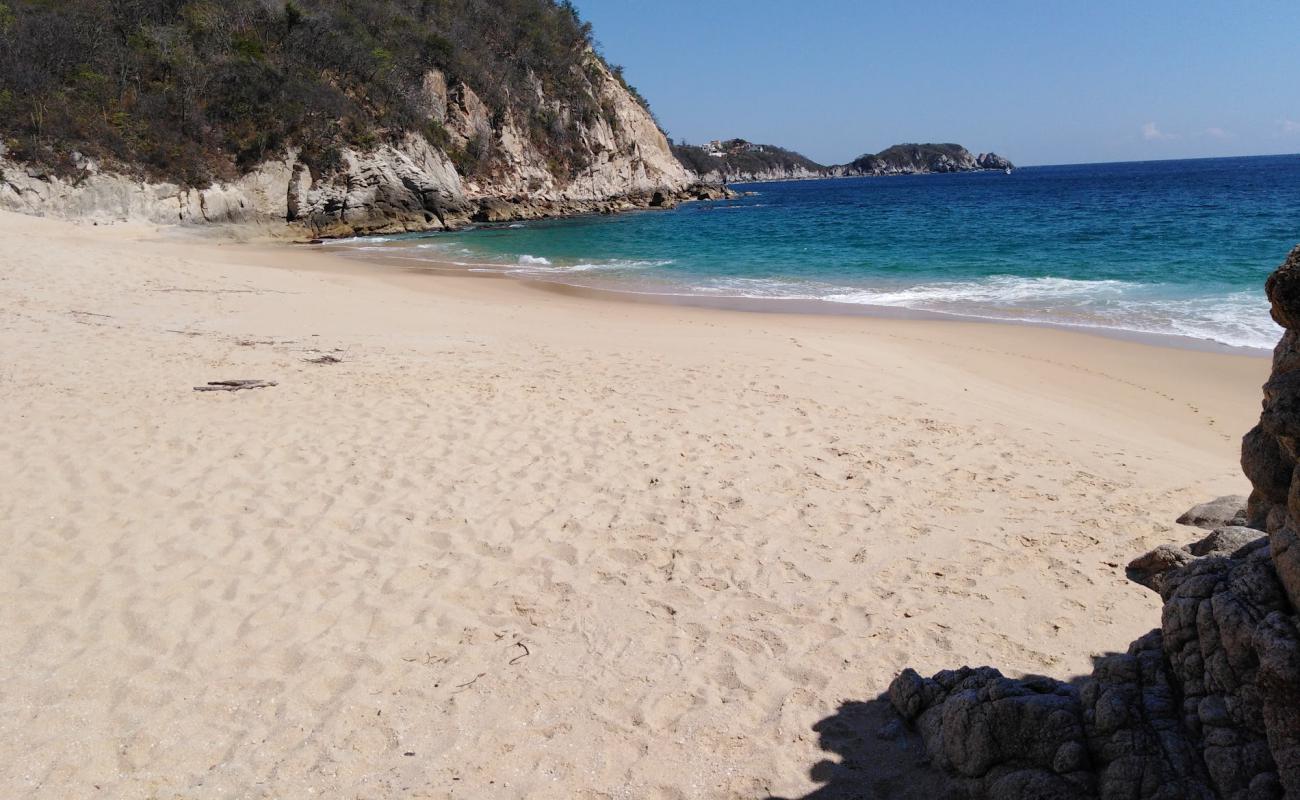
(617, 264)
(357, 242)
(999, 290)
(1233, 318)
(534, 266)
(1238, 319)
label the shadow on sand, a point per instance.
(880, 758)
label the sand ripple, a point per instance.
(526, 545)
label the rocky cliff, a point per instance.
(409, 184)
(1205, 706)
(345, 118)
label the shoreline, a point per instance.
(790, 306)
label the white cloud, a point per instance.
(1153, 134)
(1218, 133)
(1290, 126)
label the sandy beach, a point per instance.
(507, 542)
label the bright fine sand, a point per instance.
(520, 543)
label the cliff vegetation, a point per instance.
(340, 116)
(194, 91)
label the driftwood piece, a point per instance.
(325, 359)
(234, 386)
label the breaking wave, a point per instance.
(1234, 318)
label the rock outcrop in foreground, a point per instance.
(1205, 706)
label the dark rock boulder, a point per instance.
(710, 191)
(1217, 513)
(1226, 541)
(999, 737)
(1269, 470)
(660, 200)
(494, 210)
(1182, 714)
(1283, 290)
(1149, 569)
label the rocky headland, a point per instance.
(253, 114)
(406, 185)
(1207, 705)
(741, 161)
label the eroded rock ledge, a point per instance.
(1205, 706)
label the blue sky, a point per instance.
(1045, 82)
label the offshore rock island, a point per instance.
(740, 161)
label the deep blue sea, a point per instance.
(1165, 247)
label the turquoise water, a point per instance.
(1169, 247)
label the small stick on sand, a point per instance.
(218, 291)
(462, 686)
(234, 386)
(522, 655)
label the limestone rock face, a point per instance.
(793, 173)
(797, 174)
(1206, 706)
(406, 185)
(108, 197)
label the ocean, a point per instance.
(1176, 248)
